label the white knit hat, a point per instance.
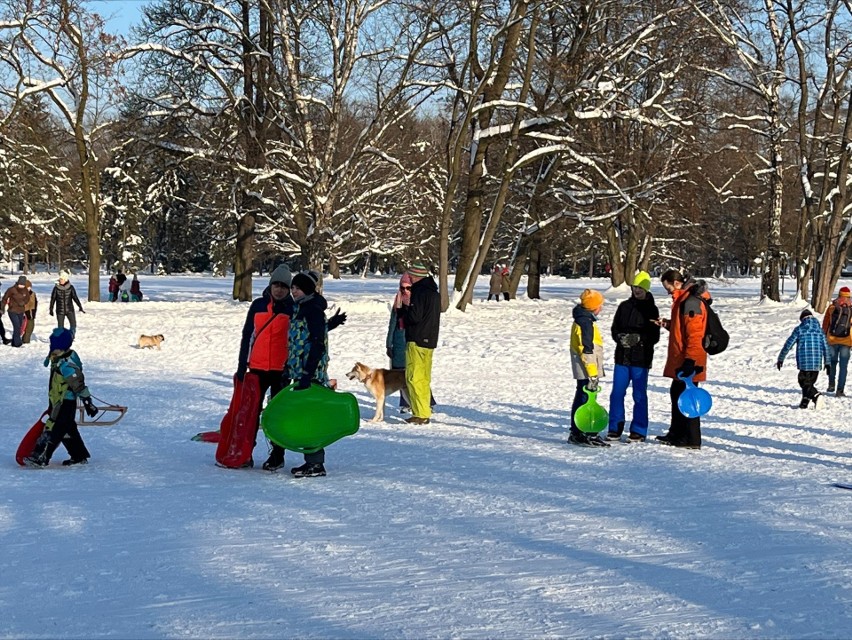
(64, 275)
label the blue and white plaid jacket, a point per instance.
(811, 346)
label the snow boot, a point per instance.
(840, 393)
(635, 437)
(275, 460)
(586, 439)
(73, 461)
(804, 403)
(308, 470)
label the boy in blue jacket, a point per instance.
(812, 355)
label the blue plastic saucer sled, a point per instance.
(693, 402)
(591, 417)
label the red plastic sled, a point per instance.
(239, 426)
(207, 436)
(29, 442)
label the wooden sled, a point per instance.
(108, 414)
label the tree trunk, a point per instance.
(534, 271)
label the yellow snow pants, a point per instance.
(418, 378)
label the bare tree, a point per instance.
(61, 50)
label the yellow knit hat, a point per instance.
(591, 299)
(642, 280)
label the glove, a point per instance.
(241, 373)
(303, 383)
(592, 384)
(336, 320)
(82, 310)
(628, 340)
(51, 312)
(779, 364)
(687, 368)
(389, 351)
(90, 408)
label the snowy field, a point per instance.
(483, 524)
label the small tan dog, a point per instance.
(380, 383)
(146, 342)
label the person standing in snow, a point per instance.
(505, 283)
(30, 311)
(307, 361)
(836, 326)
(586, 348)
(63, 298)
(686, 355)
(495, 283)
(123, 288)
(422, 318)
(15, 300)
(263, 348)
(812, 354)
(635, 333)
(135, 290)
(66, 384)
(112, 288)
(395, 340)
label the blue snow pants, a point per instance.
(623, 376)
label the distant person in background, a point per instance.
(15, 300)
(505, 283)
(812, 354)
(836, 326)
(30, 314)
(63, 298)
(123, 288)
(495, 283)
(135, 291)
(112, 288)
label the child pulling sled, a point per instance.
(66, 384)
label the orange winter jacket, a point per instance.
(826, 322)
(686, 330)
(269, 349)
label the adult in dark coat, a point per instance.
(15, 300)
(422, 319)
(63, 298)
(635, 333)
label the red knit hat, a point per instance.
(845, 292)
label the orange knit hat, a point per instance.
(591, 299)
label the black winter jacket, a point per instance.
(63, 297)
(423, 315)
(634, 318)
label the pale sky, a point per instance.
(120, 14)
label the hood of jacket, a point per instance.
(313, 301)
(810, 325)
(580, 312)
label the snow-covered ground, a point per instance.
(483, 524)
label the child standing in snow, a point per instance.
(66, 384)
(586, 360)
(812, 354)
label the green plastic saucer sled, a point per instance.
(591, 417)
(306, 421)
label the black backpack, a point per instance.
(715, 337)
(841, 318)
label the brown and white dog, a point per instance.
(380, 383)
(146, 342)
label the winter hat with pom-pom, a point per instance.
(591, 299)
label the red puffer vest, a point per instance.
(269, 347)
